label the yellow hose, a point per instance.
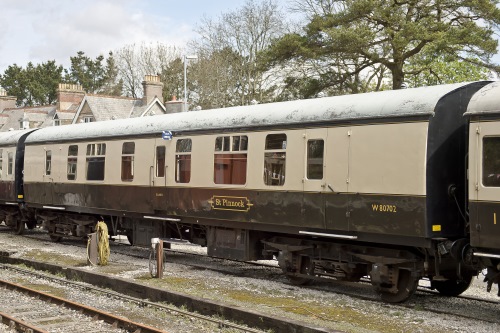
(103, 244)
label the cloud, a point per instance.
(56, 30)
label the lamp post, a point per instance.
(186, 58)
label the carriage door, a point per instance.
(158, 175)
(485, 186)
(48, 176)
(337, 179)
(314, 177)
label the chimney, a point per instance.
(6, 102)
(69, 94)
(173, 106)
(153, 87)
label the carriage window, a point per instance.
(160, 161)
(10, 163)
(48, 162)
(96, 153)
(183, 161)
(230, 160)
(128, 150)
(275, 159)
(315, 153)
(72, 161)
(1, 163)
(491, 161)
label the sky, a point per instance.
(43, 30)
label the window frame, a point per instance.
(1, 163)
(160, 163)
(230, 160)
(48, 162)
(10, 163)
(95, 156)
(183, 163)
(310, 170)
(275, 173)
(490, 163)
(127, 161)
(72, 163)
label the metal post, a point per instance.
(185, 85)
(186, 58)
(159, 259)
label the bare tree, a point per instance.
(230, 45)
(136, 61)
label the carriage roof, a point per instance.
(485, 102)
(391, 104)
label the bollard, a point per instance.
(159, 259)
(156, 258)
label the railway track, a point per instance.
(28, 310)
(121, 322)
(359, 290)
(143, 253)
(362, 291)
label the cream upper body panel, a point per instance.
(484, 111)
(389, 158)
(478, 190)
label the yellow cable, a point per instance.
(103, 244)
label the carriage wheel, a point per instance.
(31, 224)
(453, 287)
(302, 265)
(20, 226)
(406, 287)
(55, 238)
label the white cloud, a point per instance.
(56, 30)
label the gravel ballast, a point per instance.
(265, 290)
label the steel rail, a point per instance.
(220, 322)
(116, 321)
(19, 325)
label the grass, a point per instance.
(57, 258)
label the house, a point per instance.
(75, 106)
(99, 107)
(6, 102)
(69, 97)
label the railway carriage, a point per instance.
(11, 180)
(484, 179)
(336, 188)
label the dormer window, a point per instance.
(24, 123)
(88, 119)
(57, 121)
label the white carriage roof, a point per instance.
(12, 137)
(384, 104)
(485, 101)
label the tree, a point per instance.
(135, 61)
(33, 85)
(442, 70)
(93, 75)
(173, 79)
(352, 37)
(215, 78)
(229, 47)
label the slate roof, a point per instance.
(42, 115)
(113, 107)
